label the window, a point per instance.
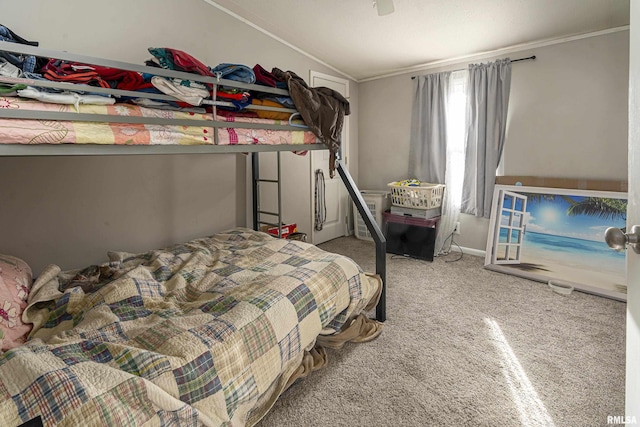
(456, 130)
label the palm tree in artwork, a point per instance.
(598, 206)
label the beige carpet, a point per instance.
(464, 346)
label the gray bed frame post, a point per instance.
(255, 173)
(376, 233)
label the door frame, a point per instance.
(632, 386)
(344, 150)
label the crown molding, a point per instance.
(497, 52)
(427, 65)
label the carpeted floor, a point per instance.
(464, 346)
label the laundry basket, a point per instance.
(415, 194)
(377, 202)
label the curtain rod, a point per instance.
(513, 60)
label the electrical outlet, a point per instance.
(456, 230)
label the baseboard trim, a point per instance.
(470, 251)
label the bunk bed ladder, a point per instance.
(256, 181)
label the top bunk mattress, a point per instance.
(28, 131)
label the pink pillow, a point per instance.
(15, 283)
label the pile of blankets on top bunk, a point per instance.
(322, 109)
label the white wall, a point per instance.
(70, 211)
(567, 118)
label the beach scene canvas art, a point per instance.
(558, 234)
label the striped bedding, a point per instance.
(194, 334)
(18, 131)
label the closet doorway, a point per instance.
(334, 205)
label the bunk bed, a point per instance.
(207, 332)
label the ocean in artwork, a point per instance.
(573, 252)
(564, 238)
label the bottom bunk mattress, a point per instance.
(201, 333)
(27, 131)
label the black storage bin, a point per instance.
(410, 236)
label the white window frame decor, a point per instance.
(557, 235)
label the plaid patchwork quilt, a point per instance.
(194, 334)
(25, 131)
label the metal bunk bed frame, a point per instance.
(94, 149)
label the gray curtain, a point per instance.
(428, 140)
(487, 105)
(428, 143)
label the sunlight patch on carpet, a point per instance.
(532, 411)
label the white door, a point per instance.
(509, 231)
(334, 209)
(633, 217)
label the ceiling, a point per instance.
(350, 37)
